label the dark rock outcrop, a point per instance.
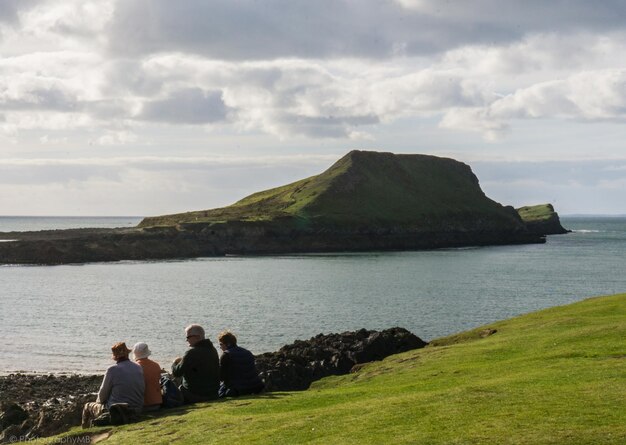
(34, 406)
(11, 414)
(296, 366)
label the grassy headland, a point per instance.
(368, 188)
(557, 376)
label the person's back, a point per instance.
(151, 375)
(199, 367)
(237, 368)
(123, 383)
(122, 386)
(200, 370)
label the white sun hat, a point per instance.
(140, 350)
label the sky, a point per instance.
(147, 107)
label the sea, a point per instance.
(63, 319)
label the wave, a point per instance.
(587, 231)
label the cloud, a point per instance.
(73, 21)
(175, 162)
(587, 96)
(253, 30)
(524, 16)
(335, 70)
(186, 106)
(250, 30)
(144, 185)
(475, 120)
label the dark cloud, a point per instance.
(188, 106)
(255, 30)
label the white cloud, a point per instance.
(308, 86)
(475, 120)
(85, 77)
(587, 96)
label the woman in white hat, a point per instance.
(151, 375)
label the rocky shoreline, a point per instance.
(33, 405)
(238, 238)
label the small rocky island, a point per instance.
(366, 201)
(542, 219)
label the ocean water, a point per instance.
(34, 223)
(65, 318)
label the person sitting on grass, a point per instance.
(238, 371)
(151, 375)
(199, 367)
(122, 385)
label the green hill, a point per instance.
(370, 188)
(552, 377)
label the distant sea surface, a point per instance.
(65, 318)
(34, 223)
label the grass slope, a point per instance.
(551, 377)
(536, 213)
(366, 187)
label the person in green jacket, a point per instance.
(199, 367)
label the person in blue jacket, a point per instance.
(238, 373)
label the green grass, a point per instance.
(536, 213)
(557, 376)
(369, 188)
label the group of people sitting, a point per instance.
(136, 386)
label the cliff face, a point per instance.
(542, 219)
(366, 201)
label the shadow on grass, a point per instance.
(97, 434)
(237, 401)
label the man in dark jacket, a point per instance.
(199, 367)
(238, 371)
